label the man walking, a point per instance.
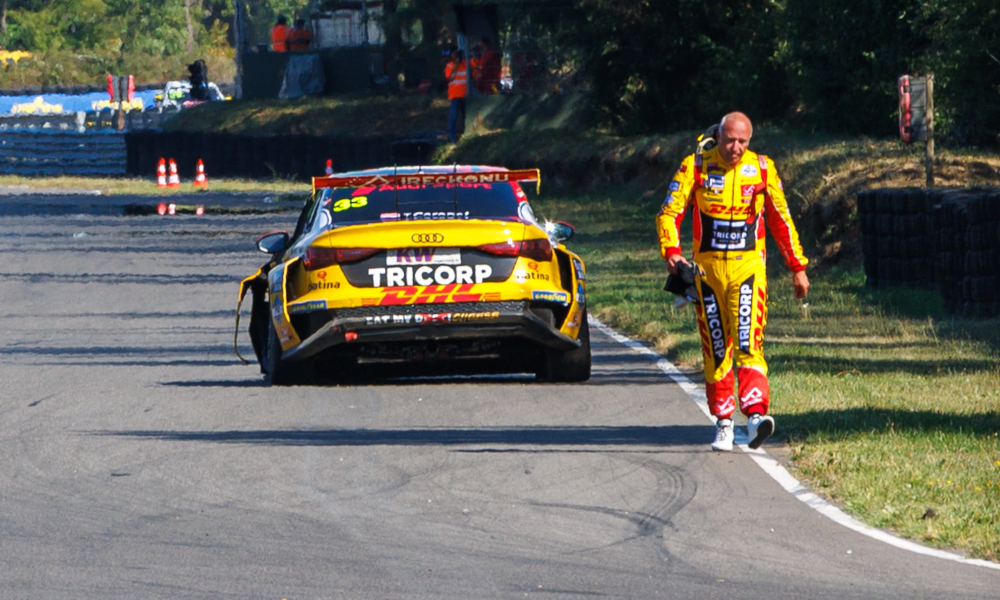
(457, 75)
(734, 192)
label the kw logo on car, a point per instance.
(427, 238)
(434, 256)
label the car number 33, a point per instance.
(348, 203)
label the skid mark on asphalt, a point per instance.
(777, 472)
(674, 490)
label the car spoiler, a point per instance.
(425, 179)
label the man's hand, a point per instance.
(674, 259)
(800, 281)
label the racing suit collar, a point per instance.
(713, 155)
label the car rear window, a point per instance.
(339, 207)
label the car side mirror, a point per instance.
(273, 243)
(560, 230)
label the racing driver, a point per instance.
(734, 192)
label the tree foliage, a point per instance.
(666, 64)
(650, 64)
(828, 64)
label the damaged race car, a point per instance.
(419, 270)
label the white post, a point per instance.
(929, 148)
(239, 31)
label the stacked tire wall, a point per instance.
(944, 239)
(298, 157)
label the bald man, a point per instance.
(734, 192)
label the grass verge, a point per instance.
(359, 117)
(890, 407)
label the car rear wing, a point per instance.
(427, 179)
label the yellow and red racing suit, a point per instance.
(732, 204)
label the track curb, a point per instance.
(775, 470)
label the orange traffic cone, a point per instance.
(199, 175)
(174, 181)
(161, 174)
(329, 167)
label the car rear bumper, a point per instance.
(431, 322)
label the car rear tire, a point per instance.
(568, 366)
(281, 372)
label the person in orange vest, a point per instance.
(279, 35)
(299, 37)
(457, 75)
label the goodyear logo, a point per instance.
(304, 307)
(550, 296)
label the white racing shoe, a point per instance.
(723, 436)
(759, 428)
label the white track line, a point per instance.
(777, 472)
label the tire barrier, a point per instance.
(53, 152)
(82, 122)
(298, 157)
(944, 239)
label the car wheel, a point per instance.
(280, 372)
(568, 366)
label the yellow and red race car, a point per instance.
(420, 266)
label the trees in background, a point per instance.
(827, 64)
(651, 65)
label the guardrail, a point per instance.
(51, 152)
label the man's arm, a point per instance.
(779, 222)
(671, 214)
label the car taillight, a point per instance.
(534, 249)
(508, 248)
(539, 249)
(320, 258)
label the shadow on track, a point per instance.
(631, 378)
(671, 435)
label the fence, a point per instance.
(945, 239)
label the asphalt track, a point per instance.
(142, 460)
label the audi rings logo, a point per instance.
(427, 238)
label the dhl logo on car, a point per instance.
(431, 294)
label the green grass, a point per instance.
(890, 406)
(354, 117)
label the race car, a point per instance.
(405, 269)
